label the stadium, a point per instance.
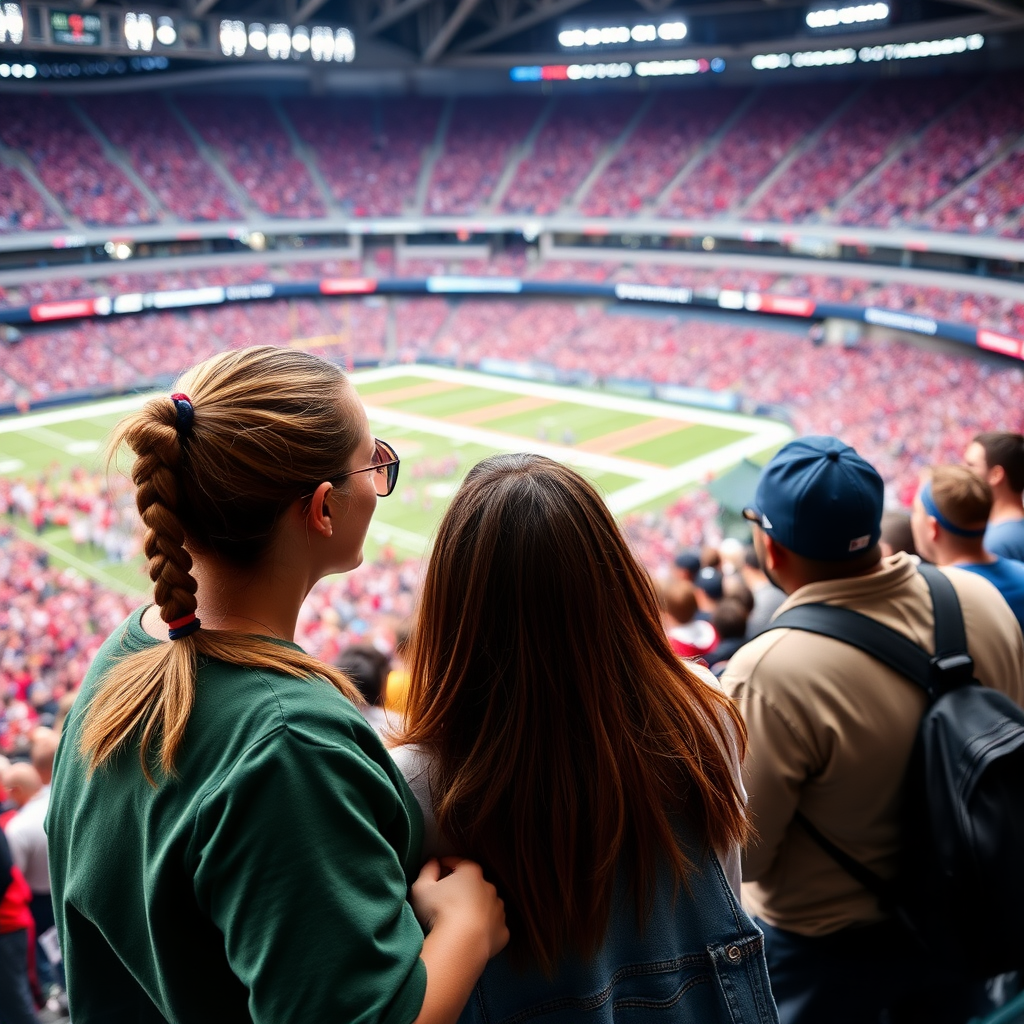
(654, 243)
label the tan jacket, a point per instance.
(830, 732)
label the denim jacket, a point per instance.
(699, 958)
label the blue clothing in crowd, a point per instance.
(1007, 576)
(1006, 539)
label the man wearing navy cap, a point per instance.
(830, 735)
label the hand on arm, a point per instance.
(464, 921)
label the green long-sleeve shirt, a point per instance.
(265, 882)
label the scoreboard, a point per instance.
(75, 28)
(124, 31)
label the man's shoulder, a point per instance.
(1006, 539)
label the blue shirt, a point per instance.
(1006, 539)
(1007, 576)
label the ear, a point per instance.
(774, 556)
(319, 515)
(933, 529)
(996, 476)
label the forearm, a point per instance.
(455, 958)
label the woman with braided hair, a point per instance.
(229, 841)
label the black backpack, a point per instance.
(959, 888)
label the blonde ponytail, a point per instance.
(249, 453)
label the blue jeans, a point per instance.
(874, 974)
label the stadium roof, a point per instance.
(492, 36)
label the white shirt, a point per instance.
(27, 840)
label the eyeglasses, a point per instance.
(384, 468)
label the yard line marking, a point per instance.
(560, 393)
(630, 436)
(511, 443)
(496, 412)
(28, 421)
(92, 570)
(425, 390)
(669, 480)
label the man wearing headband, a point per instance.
(951, 511)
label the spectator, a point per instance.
(998, 458)
(767, 596)
(551, 731)
(708, 590)
(215, 777)
(368, 669)
(730, 622)
(398, 678)
(688, 636)
(27, 839)
(833, 953)
(897, 534)
(16, 1004)
(22, 783)
(687, 564)
(950, 513)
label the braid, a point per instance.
(157, 479)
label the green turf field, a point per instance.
(640, 454)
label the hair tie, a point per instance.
(184, 414)
(183, 627)
(928, 501)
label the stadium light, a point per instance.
(594, 36)
(138, 30)
(344, 46)
(843, 16)
(258, 36)
(279, 42)
(166, 33)
(12, 24)
(17, 71)
(300, 39)
(867, 54)
(232, 38)
(576, 72)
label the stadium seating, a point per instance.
(986, 202)
(672, 130)
(886, 114)
(480, 138)
(254, 146)
(960, 142)
(21, 206)
(574, 136)
(163, 155)
(369, 153)
(70, 162)
(774, 124)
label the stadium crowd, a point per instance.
(939, 153)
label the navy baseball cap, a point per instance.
(710, 581)
(820, 499)
(689, 561)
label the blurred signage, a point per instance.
(75, 28)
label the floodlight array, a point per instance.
(853, 14)
(12, 24)
(621, 35)
(281, 42)
(867, 54)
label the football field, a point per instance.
(640, 454)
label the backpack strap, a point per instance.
(951, 666)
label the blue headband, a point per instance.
(933, 510)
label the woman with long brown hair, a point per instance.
(552, 734)
(229, 841)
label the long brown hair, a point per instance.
(268, 427)
(563, 731)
